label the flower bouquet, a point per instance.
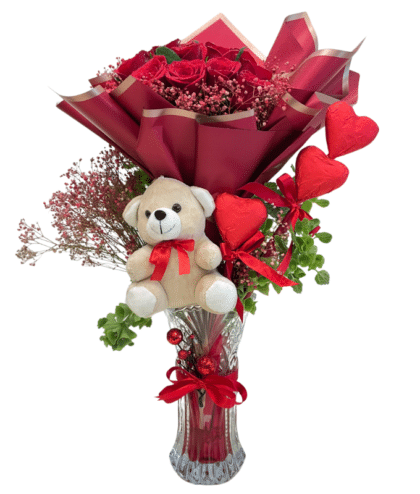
(182, 200)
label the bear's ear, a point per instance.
(130, 211)
(204, 197)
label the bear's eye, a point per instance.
(147, 213)
(176, 207)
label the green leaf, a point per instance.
(268, 223)
(299, 273)
(300, 244)
(292, 265)
(304, 260)
(263, 289)
(250, 305)
(322, 277)
(307, 206)
(297, 288)
(313, 223)
(281, 244)
(276, 287)
(239, 55)
(309, 242)
(323, 203)
(101, 322)
(117, 332)
(298, 227)
(324, 237)
(169, 54)
(262, 280)
(120, 313)
(319, 261)
(112, 337)
(253, 276)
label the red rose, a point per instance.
(186, 73)
(214, 51)
(191, 51)
(153, 70)
(173, 44)
(132, 64)
(249, 64)
(221, 67)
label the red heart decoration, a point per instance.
(238, 218)
(346, 132)
(317, 174)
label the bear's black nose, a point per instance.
(160, 215)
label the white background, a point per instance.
(332, 374)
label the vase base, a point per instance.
(207, 473)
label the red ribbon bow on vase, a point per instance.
(221, 389)
(161, 254)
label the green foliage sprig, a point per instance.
(116, 326)
(305, 256)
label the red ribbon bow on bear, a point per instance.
(161, 254)
(221, 389)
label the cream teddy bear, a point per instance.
(170, 217)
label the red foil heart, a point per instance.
(346, 132)
(317, 174)
(238, 218)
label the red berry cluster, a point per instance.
(204, 365)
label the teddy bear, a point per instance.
(178, 265)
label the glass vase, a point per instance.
(207, 450)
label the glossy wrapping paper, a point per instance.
(222, 153)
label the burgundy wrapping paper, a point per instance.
(223, 153)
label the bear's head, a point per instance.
(169, 210)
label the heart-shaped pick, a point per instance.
(317, 174)
(346, 132)
(238, 218)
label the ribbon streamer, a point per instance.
(244, 254)
(221, 389)
(161, 254)
(290, 199)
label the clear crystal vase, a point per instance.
(207, 450)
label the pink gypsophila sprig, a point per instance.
(88, 215)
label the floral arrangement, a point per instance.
(218, 121)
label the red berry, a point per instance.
(206, 365)
(183, 354)
(174, 336)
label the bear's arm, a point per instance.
(207, 255)
(138, 266)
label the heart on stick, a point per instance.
(345, 131)
(238, 218)
(317, 174)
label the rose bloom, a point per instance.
(248, 62)
(191, 51)
(221, 67)
(129, 66)
(173, 44)
(153, 70)
(186, 73)
(214, 51)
